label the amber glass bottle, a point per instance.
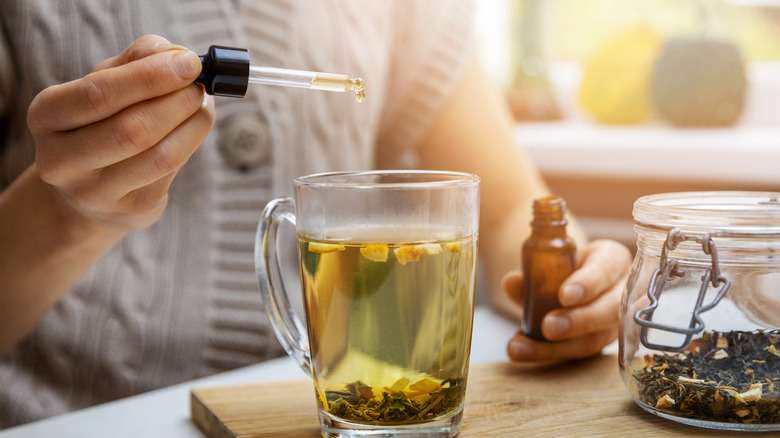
(548, 258)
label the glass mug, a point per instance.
(388, 270)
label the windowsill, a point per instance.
(602, 170)
(742, 154)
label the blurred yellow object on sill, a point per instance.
(615, 87)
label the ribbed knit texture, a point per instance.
(179, 300)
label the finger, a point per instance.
(103, 195)
(66, 156)
(148, 202)
(512, 284)
(104, 93)
(127, 134)
(597, 315)
(603, 263)
(138, 209)
(164, 158)
(134, 211)
(141, 48)
(523, 349)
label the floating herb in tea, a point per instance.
(399, 404)
(726, 377)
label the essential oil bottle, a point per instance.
(547, 259)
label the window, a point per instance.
(567, 33)
(602, 168)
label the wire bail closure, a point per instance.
(669, 268)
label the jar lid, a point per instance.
(723, 212)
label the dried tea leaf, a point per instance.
(753, 394)
(428, 249)
(376, 252)
(772, 350)
(358, 403)
(411, 253)
(665, 402)
(720, 354)
(400, 384)
(324, 248)
(461, 246)
(361, 391)
(683, 379)
(425, 385)
(406, 254)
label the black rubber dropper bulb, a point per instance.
(225, 71)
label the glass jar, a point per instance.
(700, 316)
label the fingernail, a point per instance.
(572, 294)
(555, 327)
(186, 64)
(518, 350)
(164, 47)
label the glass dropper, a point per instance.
(306, 79)
(227, 72)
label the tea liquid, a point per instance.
(389, 326)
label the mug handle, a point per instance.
(286, 324)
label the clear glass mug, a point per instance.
(388, 268)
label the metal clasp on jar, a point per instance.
(669, 268)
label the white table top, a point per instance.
(165, 412)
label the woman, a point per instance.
(129, 199)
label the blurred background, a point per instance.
(616, 99)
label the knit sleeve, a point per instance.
(434, 42)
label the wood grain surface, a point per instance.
(575, 399)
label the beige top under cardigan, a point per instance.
(179, 300)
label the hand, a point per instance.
(111, 143)
(590, 297)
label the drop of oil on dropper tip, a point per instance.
(359, 85)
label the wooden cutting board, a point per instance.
(575, 399)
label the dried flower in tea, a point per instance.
(398, 404)
(726, 377)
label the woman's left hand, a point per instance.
(588, 320)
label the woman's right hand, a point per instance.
(110, 143)
(108, 146)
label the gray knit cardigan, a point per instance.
(179, 300)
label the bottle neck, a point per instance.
(549, 216)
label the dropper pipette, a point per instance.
(306, 79)
(227, 72)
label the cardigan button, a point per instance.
(245, 141)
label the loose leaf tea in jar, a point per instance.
(700, 317)
(724, 377)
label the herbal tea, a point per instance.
(731, 377)
(389, 327)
